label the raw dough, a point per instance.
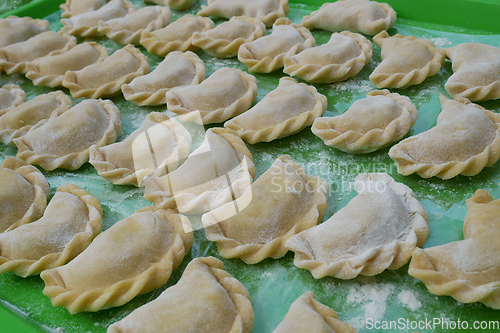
(467, 270)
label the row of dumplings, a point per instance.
(357, 137)
(337, 60)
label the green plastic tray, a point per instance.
(275, 284)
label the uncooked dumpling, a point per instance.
(284, 111)
(23, 193)
(87, 24)
(224, 40)
(104, 79)
(220, 169)
(207, 299)
(64, 141)
(225, 94)
(307, 315)
(15, 29)
(127, 30)
(343, 56)
(265, 54)
(50, 70)
(177, 36)
(69, 224)
(134, 256)
(366, 17)
(178, 69)
(476, 70)
(467, 270)
(377, 230)
(283, 202)
(129, 161)
(11, 95)
(406, 61)
(266, 11)
(465, 140)
(370, 123)
(18, 121)
(14, 58)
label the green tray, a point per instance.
(275, 284)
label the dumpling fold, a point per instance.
(284, 111)
(377, 230)
(283, 202)
(134, 256)
(206, 299)
(69, 224)
(23, 193)
(63, 141)
(467, 270)
(215, 173)
(465, 140)
(160, 142)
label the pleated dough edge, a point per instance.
(355, 142)
(79, 242)
(122, 292)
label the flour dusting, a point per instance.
(374, 299)
(441, 42)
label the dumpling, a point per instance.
(133, 257)
(18, 121)
(370, 123)
(306, 315)
(129, 161)
(86, 24)
(467, 270)
(23, 193)
(343, 56)
(178, 69)
(406, 61)
(11, 96)
(69, 224)
(266, 11)
(15, 29)
(77, 7)
(177, 36)
(225, 94)
(224, 40)
(377, 230)
(476, 70)
(14, 58)
(284, 201)
(466, 139)
(220, 169)
(127, 30)
(363, 16)
(174, 4)
(265, 54)
(49, 70)
(284, 111)
(104, 79)
(64, 141)
(206, 299)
